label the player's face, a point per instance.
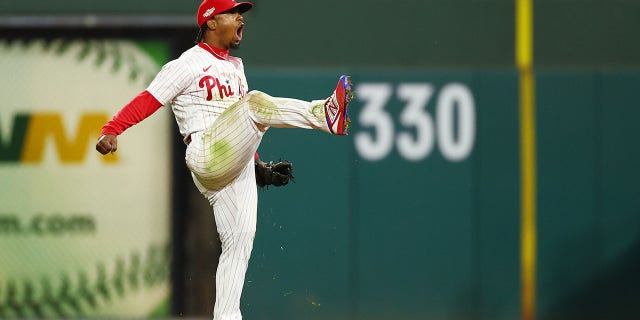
(229, 27)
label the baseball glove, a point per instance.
(276, 174)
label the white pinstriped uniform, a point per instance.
(208, 96)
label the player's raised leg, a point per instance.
(218, 154)
(329, 115)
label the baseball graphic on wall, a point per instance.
(81, 235)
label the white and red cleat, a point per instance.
(335, 108)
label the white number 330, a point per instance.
(453, 129)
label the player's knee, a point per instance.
(263, 109)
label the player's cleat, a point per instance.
(336, 107)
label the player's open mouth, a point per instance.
(239, 31)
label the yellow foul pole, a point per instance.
(524, 62)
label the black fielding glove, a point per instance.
(275, 174)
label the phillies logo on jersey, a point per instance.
(210, 82)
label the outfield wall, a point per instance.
(409, 218)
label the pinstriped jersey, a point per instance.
(199, 86)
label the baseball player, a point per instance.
(222, 124)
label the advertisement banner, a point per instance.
(81, 235)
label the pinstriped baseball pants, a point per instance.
(221, 162)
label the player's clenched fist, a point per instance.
(107, 143)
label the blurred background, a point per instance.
(417, 214)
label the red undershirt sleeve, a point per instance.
(138, 109)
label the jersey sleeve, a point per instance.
(138, 109)
(172, 79)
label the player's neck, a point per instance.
(216, 52)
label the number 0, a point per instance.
(455, 145)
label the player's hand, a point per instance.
(107, 143)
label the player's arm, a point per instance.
(138, 109)
(171, 80)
